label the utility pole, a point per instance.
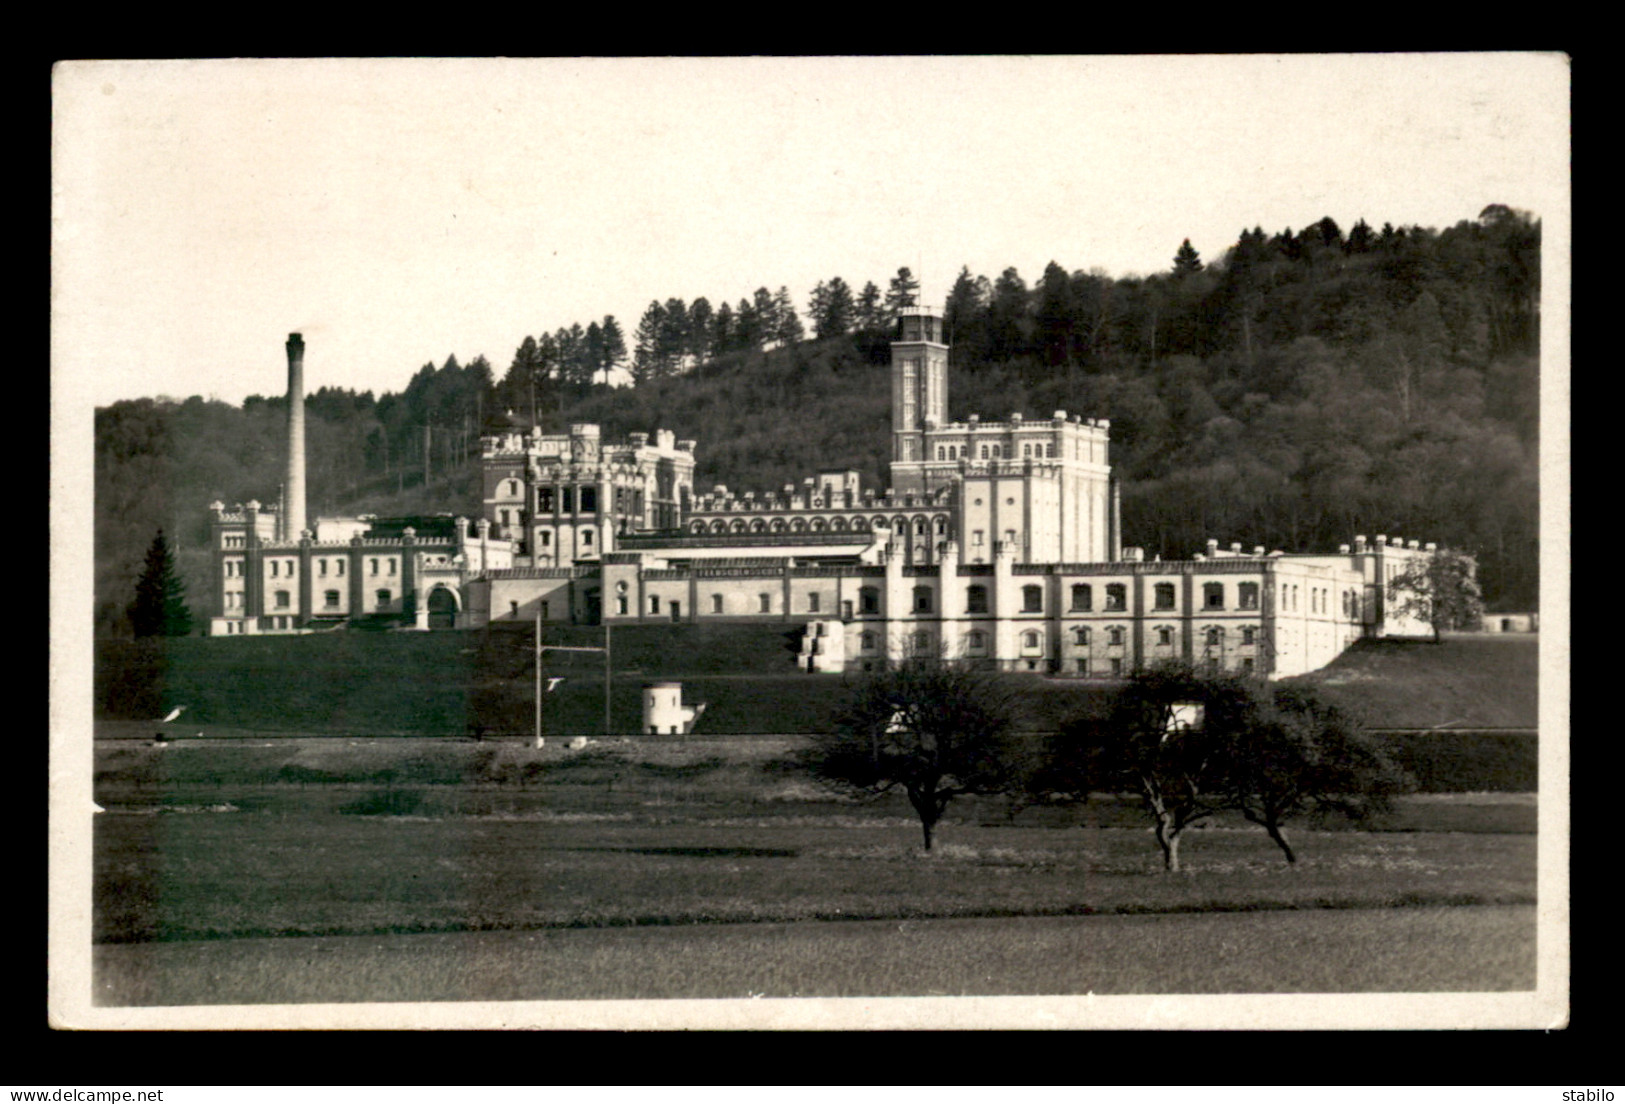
(562, 648)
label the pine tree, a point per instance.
(871, 316)
(789, 329)
(614, 348)
(160, 596)
(903, 291)
(1187, 260)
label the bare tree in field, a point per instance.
(933, 728)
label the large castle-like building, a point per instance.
(996, 541)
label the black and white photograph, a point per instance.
(992, 542)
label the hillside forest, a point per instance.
(1303, 387)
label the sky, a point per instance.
(399, 212)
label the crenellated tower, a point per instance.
(919, 381)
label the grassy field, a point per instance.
(1389, 950)
(1481, 680)
(448, 683)
(210, 839)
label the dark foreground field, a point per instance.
(251, 871)
(1459, 949)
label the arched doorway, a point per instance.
(442, 608)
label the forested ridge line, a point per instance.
(1306, 386)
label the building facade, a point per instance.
(998, 541)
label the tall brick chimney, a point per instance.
(293, 517)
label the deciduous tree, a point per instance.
(1441, 591)
(932, 728)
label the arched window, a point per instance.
(697, 527)
(719, 526)
(1027, 452)
(919, 527)
(837, 525)
(984, 452)
(758, 526)
(817, 525)
(1083, 596)
(976, 599)
(1163, 596)
(738, 525)
(777, 525)
(798, 525)
(1213, 596)
(900, 526)
(1247, 595)
(1032, 599)
(1116, 596)
(942, 453)
(941, 526)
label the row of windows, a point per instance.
(976, 639)
(283, 599)
(818, 525)
(287, 569)
(544, 538)
(1029, 451)
(568, 501)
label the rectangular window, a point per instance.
(976, 599)
(281, 599)
(1083, 665)
(544, 500)
(331, 599)
(767, 602)
(383, 597)
(1117, 668)
(547, 538)
(1164, 599)
(544, 611)
(922, 599)
(375, 567)
(1247, 595)
(654, 603)
(589, 500)
(586, 538)
(1116, 596)
(1032, 599)
(1165, 636)
(716, 603)
(1248, 634)
(620, 605)
(1083, 596)
(568, 498)
(976, 538)
(1213, 596)
(812, 602)
(323, 568)
(275, 569)
(392, 565)
(513, 609)
(341, 567)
